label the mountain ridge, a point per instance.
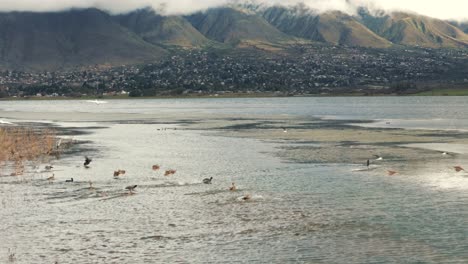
(85, 37)
(162, 30)
(415, 30)
(334, 27)
(72, 38)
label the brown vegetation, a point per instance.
(19, 145)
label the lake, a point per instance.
(299, 212)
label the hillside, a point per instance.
(416, 30)
(236, 27)
(463, 26)
(163, 30)
(68, 39)
(89, 37)
(331, 27)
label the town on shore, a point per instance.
(301, 69)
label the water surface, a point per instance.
(300, 213)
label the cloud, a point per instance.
(447, 9)
(114, 6)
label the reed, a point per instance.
(20, 144)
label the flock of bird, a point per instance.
(392, 172)
(131, 188)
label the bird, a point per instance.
(11, 256)
(51, 178)
(284, 130)
(233, 187)
(246, 197)
(377, 157)
(119, 172)
(58, 144)
(458, 168)
(156, 167)
(131, 188)
(390, 172)
(169, 172)
(49, 167)
(87, 161)
(368, 163)
(71, 180)
(207, 180)
(91, 185)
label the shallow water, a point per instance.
(309, 213)
(413, 112)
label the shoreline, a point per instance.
(438, 92)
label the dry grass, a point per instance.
(19, 145)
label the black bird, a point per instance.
(131, 188)
(87, 162)
(207, 180)
(368, 163)
(70, 180)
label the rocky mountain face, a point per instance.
(415, 30)
(235, 26)
(162, 30)
(335, 27)
(75, 38)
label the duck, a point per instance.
(71, 180)
(233, 187)
(390, 172)
(91, 187)
(156, 167)
(131, 188)
(51, 178)
(87, 162)
(117, 173)
(169, 172)
(207, 180)
(458, 168)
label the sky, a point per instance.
(443, 9)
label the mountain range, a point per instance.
(81, 38)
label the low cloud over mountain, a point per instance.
(448, 9)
